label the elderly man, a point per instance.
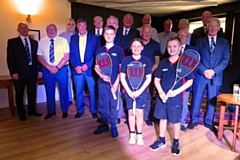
(24, 69)
(202, 31)
(215, 54)
(183, 24)
(148, 20)
(53, 54)
(165, 35)
(183, 35)
(82, 48)
(151, 51)
(127, 33)
(70, 30)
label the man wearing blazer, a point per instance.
(24, 69)
(215, 54)
(202, 31)
(127, 33)
(82, 48)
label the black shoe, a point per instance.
(49, 115)
(211, 127)
(94, 116)
(176, 149)
(65, 115)
(119, 121)
(149, 123)
(22, 118)
(34, 114)
(192, 125)
(99, 120)
(78, 115)
(183, 128)
(102, 128)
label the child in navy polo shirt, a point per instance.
(107, 104)
(140, 95)
(169, 102)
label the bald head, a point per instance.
(146, 32)
(128, 21)
(206, 16)
(23, 29)
(98, 22)
(183, 35)
(51, 31)
(146, 19)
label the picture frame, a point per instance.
(34, 34)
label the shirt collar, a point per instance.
(83, 35)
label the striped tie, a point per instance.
(28, 52)
(51, 51)
(98, 32)
(212, 45)
(181, 51)
(125, 32)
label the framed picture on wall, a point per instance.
(34, 34)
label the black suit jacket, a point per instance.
(200, 32)
(17, 59)
(126, 40)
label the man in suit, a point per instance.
(53, 54)
(147, 20)
(24, 69)
(183, 35)
(98, 30)
(215, 53)
(82, 48)
(70, 30)
(127, 33)
(202, 31)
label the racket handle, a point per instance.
(114, 96)
(134, 107)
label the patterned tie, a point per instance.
(181, 51)
(28, 52)
(125, 32)
(212, 45)
(98, 32)
(51, 51)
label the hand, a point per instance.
(131, 94)
(106, 78)
(53, 69)
(39, 75)
(114, 89)
(163, 97)
(172, 93)
(78, 69)
(136, 94)
(15, 76)
(207, 74)
(84, 67)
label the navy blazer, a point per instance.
(218, 62)
(17, 58)
(91, 46)
(200, 32)
(126, 40)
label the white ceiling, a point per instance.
(155, 7)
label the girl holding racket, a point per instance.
(135, 76)
(169, 100)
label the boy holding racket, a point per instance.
(135, 77)
(169, 102)
(108, 85)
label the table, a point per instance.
(228, 98)
(6, 81)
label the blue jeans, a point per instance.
(185, 108)
(50, 80)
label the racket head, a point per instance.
(187, 62)
(135, 74)
(104, 61)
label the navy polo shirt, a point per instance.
(151, 50)
(167, 72)
(147, 67)
(117, 55)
